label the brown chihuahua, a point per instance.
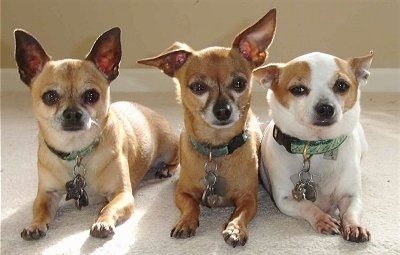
(86, 144)
(220, 141)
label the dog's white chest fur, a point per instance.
(330, 175)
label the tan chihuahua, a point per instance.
(86, 144)
(220, 141)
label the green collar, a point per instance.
(297, 146)
(220, 150)
(73, 155)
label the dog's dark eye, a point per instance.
(198, 88)
(90, 96)
(51, 97)
(340, 86)
(299, 90)
(239, 84)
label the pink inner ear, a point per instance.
(245, 49)
(34, 65)
(104, 64)
(180, 59)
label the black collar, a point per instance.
(220, 150)
(296, 146)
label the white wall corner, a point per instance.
(152, 80)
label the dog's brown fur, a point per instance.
(133, 138)
(216, 68)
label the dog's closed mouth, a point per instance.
(324, 123)
(73, 127)
(222, 123)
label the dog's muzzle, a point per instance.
(72, 119)
(324, 114)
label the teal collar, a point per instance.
(297, 146)
(220, 150)
(73, 155)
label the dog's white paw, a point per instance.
(234, 235)
(101, 230)
(356, 233)
(34, 232)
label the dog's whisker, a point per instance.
(92, 122)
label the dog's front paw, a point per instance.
(234, 235)
(101, 230)
(165, 171)
(325, 224)
(185, 229)
(34, 232)
(356, 233)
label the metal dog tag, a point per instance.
(331, 155)
(210, 179)
(299, 191)
(310, 192)
(76, 190)
(212, 201)
(220, 186)
(215, 187)
(209, 198)
(83, 200)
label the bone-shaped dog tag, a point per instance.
(76, 190)
(72, 190)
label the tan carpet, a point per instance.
(147, 232)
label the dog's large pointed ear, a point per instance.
(267, 75)
(254, 41)
(360, 66)
(106, 53)
(171, 59)
(29, 55)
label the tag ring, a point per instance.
(211, 166)
(305, 157)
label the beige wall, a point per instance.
(67, 28)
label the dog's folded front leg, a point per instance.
(119, 209)
(235, 232)
(189, 219)
(350, 211)
(44, 209)
(320, 221)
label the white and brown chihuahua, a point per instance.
(220, 141)
(313, 146)
(86, 144)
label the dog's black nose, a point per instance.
(222, 110)
(72, 114)
(325, 110)
(72, 119)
